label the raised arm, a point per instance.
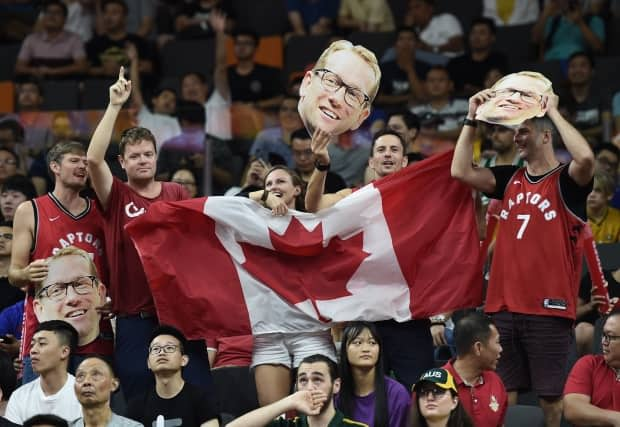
(481, 179)
(21, 272)
(217, 20)
(581, 168)
(307, 401)
(98, 169)
(137, 99)
(315, 199)
(579, 411)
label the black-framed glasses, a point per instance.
(609, 337)
(436, 392)
(168, 348)
(527, 97)
(7, 236)
(353, 96)
(83, 285)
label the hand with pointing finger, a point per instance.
(120, 91)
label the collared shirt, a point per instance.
(302, 421)
(40, 47)
(591, 376)
(486, 401)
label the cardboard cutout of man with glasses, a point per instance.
(71, 292)
(517, 97)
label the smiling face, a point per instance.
(160, 361)
(78, 310)
(94, 383)
(139, 160)
(518, 97)
(280, 183)
(579, 70)
(388, 156)
(327, 110)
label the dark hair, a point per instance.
(197, 74)
(6, 224)
(45, 420)
(12, 153)
(163, 89)
(190, 112)
(582, 54)
(607, 146)
(21, 184)
(56, 153)
(134, 136)
(470, 329)
(458, 417)
(15, 127)
(32, 81)
(300, 203)
(318, 358)
(58, 3)
(8, 377)
(121, 3)
(438, 67)
(347, 394)
(300, 133)
(387, 131)
(483, 20)
(247, 32)
(405, 29)
(67, 335)
(172, 331)
(108, 361)
(412, 121)
(544, 123)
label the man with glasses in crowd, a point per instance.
(536, 266)
(592, 391)
(179, 402)
(51, 222)
(73, 292)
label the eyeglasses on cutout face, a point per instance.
(83, 285)
(331, 82)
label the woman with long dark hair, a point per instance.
(366, 394)
(437, 401)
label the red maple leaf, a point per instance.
(300, 268)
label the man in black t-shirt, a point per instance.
(402, 79)
(179, 402)
(469, 70)
(251, 82)
(107, 52)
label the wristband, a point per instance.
(321, 167)
(438, 323)
(469, 122)
(264, 196)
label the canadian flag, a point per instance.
(403, 247)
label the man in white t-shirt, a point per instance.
(52, 392)
(438, 33)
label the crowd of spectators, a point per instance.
(220, 130)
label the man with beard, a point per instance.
(95, 381)
(48, 223)
(317, 383)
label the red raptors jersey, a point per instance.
(128, 287)
(539, 248)
(56, 228)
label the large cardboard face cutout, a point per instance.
(330, 93)
(518, 97)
